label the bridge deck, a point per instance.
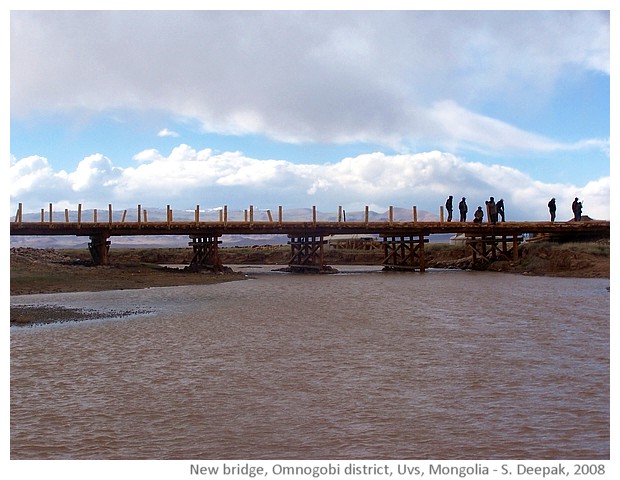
(304, 228)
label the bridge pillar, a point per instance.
(206, 253)
(404, 252)
(99, 247)
(307, 254)
(487, 249)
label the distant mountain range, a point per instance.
(160, 215)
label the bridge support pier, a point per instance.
(404, 252)
(206, 253)
(99, 247)
(487, 249)
(307, 254)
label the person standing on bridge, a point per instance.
(491, 210)
(449, 208)
(478, 215)
(576, 209)
(463, 210)
(552, 208)
(500, 209)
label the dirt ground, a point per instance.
(49, 270)
(53, 271)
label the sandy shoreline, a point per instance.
(36, 271)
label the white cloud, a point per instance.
(165, 132)
(33, 178)
(382, 77)
(188, 177)
(318, 185)
(95, 171)
(27, 172)
(146, 156)
(472, 129)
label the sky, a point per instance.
(301, 108)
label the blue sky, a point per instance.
(302, 108)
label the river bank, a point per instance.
(70, 270)
(54, 271)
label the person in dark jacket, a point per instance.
(463, 210)
(478, 215)
(552, 208)
(449, 208)
(576, 209)
(500, 209)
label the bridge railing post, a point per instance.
(18, 213)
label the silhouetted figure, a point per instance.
(491, 209)
(463, 210)
(552, 208)
(576, 209)
(449, 208)
(500, 209)
(478, 215)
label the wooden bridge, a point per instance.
(403, 241)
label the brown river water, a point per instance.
(358, 365)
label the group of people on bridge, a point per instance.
(495, 210)
(576, 206)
